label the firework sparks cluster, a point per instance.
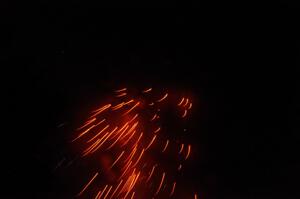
(132, 146)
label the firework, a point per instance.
(129, 138)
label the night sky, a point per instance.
(242, 67)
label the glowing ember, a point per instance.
(129, 139)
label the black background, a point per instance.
(241, 63)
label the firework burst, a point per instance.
(138, 155)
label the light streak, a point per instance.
(163, 98)
(88, 184)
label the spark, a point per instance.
(132, 196)
(181, 101)
(152, 170)
(132, 108)
(121, 94)
(161, 182)
(166, 145)
(117, 159)
(87, 123)
(164, 97)
(186, 102)
(184, 114)
(116, 189)
(158, 129)
(173, 189)
(121, 90)
(151, 142)
(102, 192)
(188, 153)
(154, 116)
(83, 133)
(181, 148)
(107, 192)
(98, 133)
(88, 184)
(147, 90)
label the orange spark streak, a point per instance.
(118, 106)
(99, 192)
(98, 133)
(187, 101)
(190, 106)
(137, 141)
(153, 118)
(88, 184)
(181, 101)
(181, 148)
(158, 129)
(103, 191)
(117, 159)
(101, 110)
(151, 173)
(132, 196)
(87, 123)
(121, 94)
(147, 90)
(128, 139)
(116, 189)
(131, 108)
(127, 167)
(107, 192)
(130, 101)
(161, 182)
(154, 137)
(83, 133)
(118, 137)
(121, 90)
(88, 150)
(130, 155)
(131, 129)
(173, 189)
(166, 145)
(133, 118)
(184, 114)
(151, 104)
(188, 153)
(139, 158)
(103, 141)
(164, 97)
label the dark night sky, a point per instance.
(243, 68)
